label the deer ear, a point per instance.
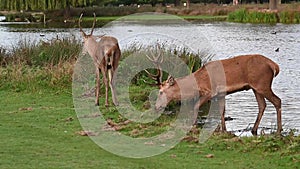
(171, 80)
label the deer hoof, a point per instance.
(254, 132)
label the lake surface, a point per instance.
(224, 40)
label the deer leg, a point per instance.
(198, 104)
(112, 86)
(104, 70)
(276, 101)
(261, 107)
(97, 92)
(111, 74)
(221, 102)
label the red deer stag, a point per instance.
(106, 55)
(246, 72)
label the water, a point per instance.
(224, 40)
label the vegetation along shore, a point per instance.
(245, 13)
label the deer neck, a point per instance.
(188, 87)
(91, 46)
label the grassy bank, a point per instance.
(40, 130)
(39, 127)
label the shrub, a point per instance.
(238, 15)
(31, 65)
(43, 53)
(289, 17)
(243, 15)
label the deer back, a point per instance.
(236, 74)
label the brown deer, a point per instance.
(106, 55)
(217, 79)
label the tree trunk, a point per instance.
(67, 12)
(176, 2)
(273, 4)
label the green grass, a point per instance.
(38, 130)
(245, 16)
(205, 17)
(186, 17)
(100, 18)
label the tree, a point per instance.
(273, 4)
(176, 2)
(188, 2)
(42, 4)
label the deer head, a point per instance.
(167, 92)
(89, 41)
(85, 36)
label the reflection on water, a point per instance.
(227, 40)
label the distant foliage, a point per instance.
(245, 16)
(290, 17)
(42, 4)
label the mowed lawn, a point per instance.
(39, 130)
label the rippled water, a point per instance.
(225, 40)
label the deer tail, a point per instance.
(276, 69)
(109, 75)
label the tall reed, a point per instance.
(32, 65)
(246, 16)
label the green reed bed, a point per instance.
(31, 65)
(35, 64)
(246, 16)
(290, 17)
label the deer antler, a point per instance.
(94, 23)
(156, 60)
(80, 28)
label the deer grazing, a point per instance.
(106, 55)
(239, 73)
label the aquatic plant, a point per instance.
(246, 16)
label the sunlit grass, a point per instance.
(40, 130)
